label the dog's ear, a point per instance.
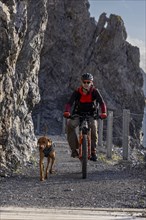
(49, 140)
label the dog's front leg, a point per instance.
(41, 163)
(52, 165)
(47, 168)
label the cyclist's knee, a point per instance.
(72, 124)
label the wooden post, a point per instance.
(100, 133)
(126, 120)
(109, 134)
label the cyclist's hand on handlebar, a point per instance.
(103, 116)
(66, 114)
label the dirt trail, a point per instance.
(110, 184)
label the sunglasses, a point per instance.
(86, 82)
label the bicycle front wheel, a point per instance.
(84, 157)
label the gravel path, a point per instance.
(110, 184)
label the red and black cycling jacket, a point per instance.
(85, 102)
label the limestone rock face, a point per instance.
(45, 46)
(68, 38)
(22, 26)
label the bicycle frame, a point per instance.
(84, 130)
(84, 138)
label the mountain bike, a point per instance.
(84, 138)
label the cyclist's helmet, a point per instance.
(87, 76)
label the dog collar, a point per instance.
(47, 151)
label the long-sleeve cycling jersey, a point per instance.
(81, 102)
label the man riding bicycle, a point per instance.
(85, 99)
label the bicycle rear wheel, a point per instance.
(84, 157)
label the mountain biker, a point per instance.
(84, 99)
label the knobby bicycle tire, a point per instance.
(84, 157)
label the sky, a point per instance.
(133, 13)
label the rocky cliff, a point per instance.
(45, 46)
(22, 27)
(76, 43)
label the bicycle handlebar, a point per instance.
(85, 115)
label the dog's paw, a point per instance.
(46, 177)
(52, 171)
(42, 179)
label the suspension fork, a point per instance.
(80, 144)
(89, 144)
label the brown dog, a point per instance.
(46, 150)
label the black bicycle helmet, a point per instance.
(87, 76)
